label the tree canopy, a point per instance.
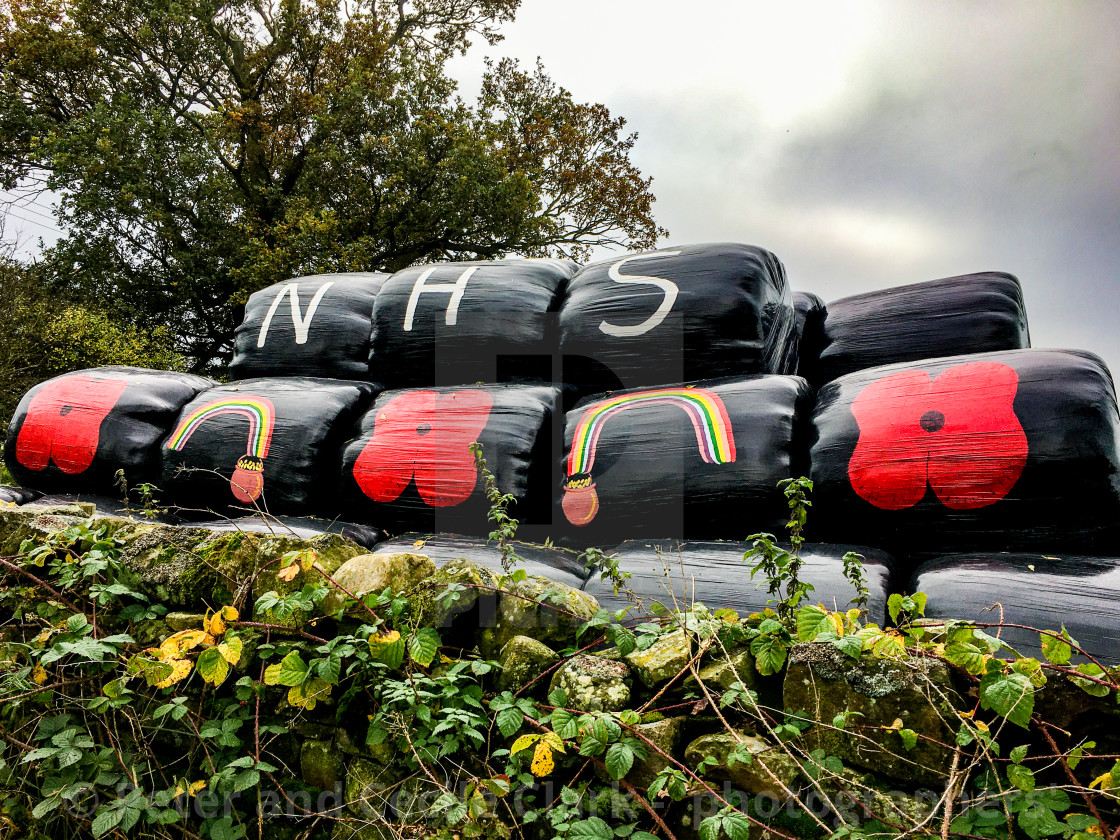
(204, 149)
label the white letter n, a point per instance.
(301, 322)
(456, 290)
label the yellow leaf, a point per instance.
(837, 623)
(380, 641)
(180, 668)
(897, 724)
(553, 740)
(288, 573)
(231, 650)
(39, 675)
(983, 727)
(307, 695)
(1104, 781)
(418, 544)
(191, 789)
(216, 623)
(523, 743)
(543, 764)
(184, 640)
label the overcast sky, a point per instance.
(869, 144)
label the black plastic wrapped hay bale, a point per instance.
(310, 326)
(1044, 592)
(809, 312)
(410, 468)
(678, 574)
(71, 434)
(675, 315)
(997, 451)
(463, 322)
(701, 460)
(272, 444)
(974, 313)
(17, 495)
(556, 564)
(304, 527)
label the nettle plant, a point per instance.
(112, 729)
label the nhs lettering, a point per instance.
(311, 326)
(690, 313)
(463, 322)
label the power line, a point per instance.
(31, 221)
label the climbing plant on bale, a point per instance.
(118, 719)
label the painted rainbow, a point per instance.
(705, 410)
(257, 410)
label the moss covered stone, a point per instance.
(666, 734)
(331, 553)
(594, 684)
(737, 665)
(320, 764)
(366, 573)
(770, 771)
(522, 659)
(21, 523)
(662, 660)
(367, 787)
(822, 682)
(457, 600)
(539, 608)
(187, 568)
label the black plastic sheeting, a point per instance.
(71, 434)
(715, 574)
(410, 468)
(304, 527)
(270, 444)
(17, 495)
(454, 323)
(556, 564)
(309, 326)
(1035, 590)
(675, 315)
(809, 314)
(109, 506)
(996, 451)
(974, 313)
(701, 460)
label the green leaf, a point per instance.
(212, 666)
(709, 828)
(1021, 777)
(592, 828)
(290, 671)
(423, 645)
(1037, 821)
(1091, 687)
(1018, 754)
(894, 606)
(737, 826)
(909, 738)
(1010, 695)
(769, 654)
(106, 820)
(1057, 651)
(811, 622)
(849, 645)
(509, 721)
(619, 760)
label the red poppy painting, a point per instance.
(957, 433)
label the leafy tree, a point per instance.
(207, 148)
(44, 337)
